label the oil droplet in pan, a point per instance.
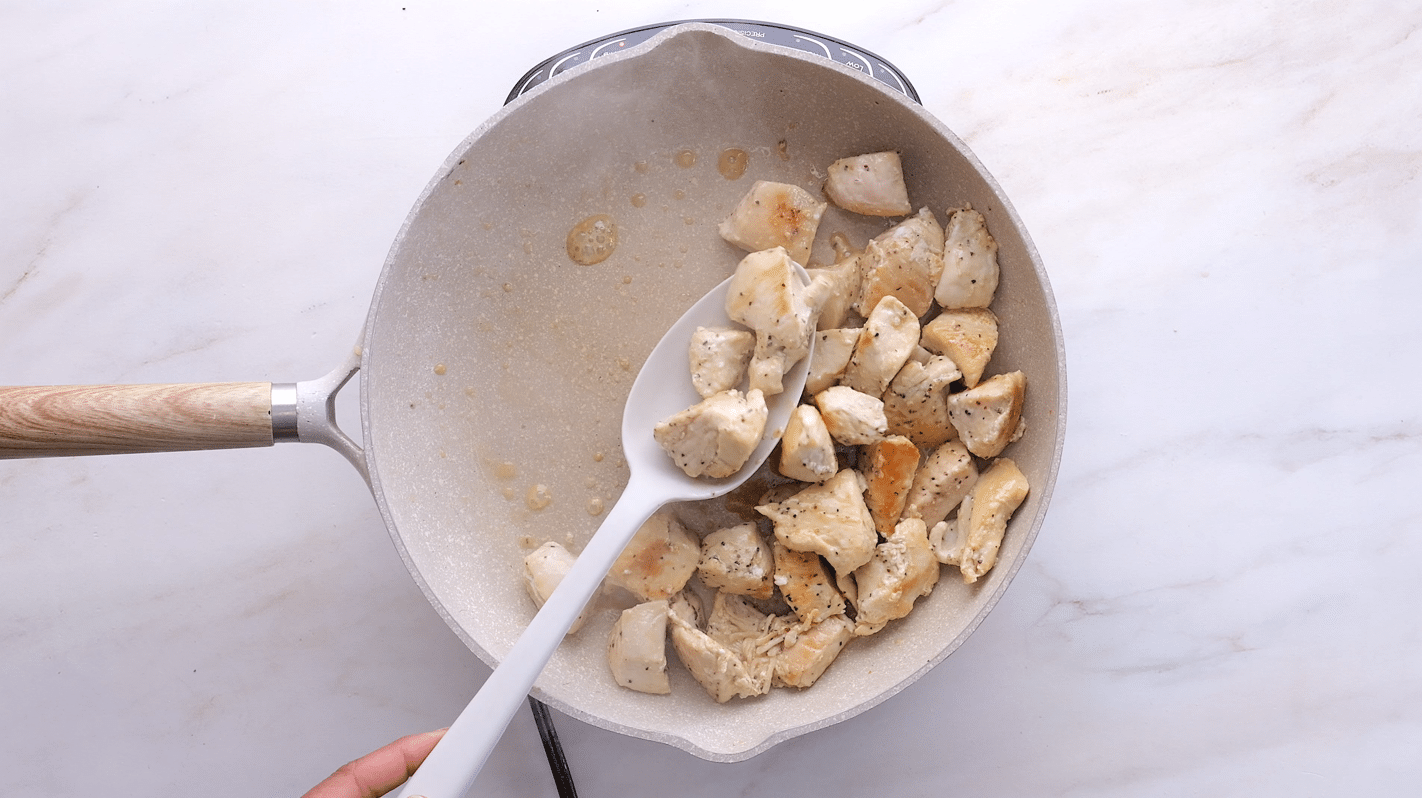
(538, 497)
(592, 240)
(732, 163)
(685, 159)
(639, 200)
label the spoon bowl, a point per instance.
(663, 387)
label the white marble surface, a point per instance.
(1224, 599)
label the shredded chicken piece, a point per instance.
(806, 653)
(715, 666)
(736, 624)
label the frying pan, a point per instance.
(493, 367)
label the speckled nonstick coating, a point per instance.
(487, 350)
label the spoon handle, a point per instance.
(454, 763)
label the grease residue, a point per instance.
(538, 497)
(592, 240)
(732, 163)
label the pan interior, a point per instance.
(495, 364)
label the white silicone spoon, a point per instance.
(662, 388)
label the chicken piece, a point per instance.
(716, 667)
(775, 215)
(920, 355)
(943, 536)
(989, 416)
(779, 493)
(716, 436)
(969, 277)
(903, 569)
(886, 341)
(833, 291)
(738, 560)
(870, 184)
(905, 261)
(916, 403)
(968, 336)
(982, 520)
(767, 296)
(830, 519)
(736, 624)
(806, 585)
(718, 357)
(852, 418)
(658, 560)
(793, 652)
(833, 349)
(946, 476)
(806, 448)
(806, 653)
(543, 570)
(637, 648)
(888, 466)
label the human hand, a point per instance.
(378, 772)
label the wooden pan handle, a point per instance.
(67, 420)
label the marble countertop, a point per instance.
(1223, 599)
